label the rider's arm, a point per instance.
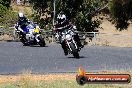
(17, 25)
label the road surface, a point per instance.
(15, 58)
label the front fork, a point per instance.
(68, 44)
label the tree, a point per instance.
(4, 6)
(78, 11)
(5, 3)
(69, 7)
(3, 10)
(41, 11)
(7, 17)
(121, 11)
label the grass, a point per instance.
(59, 84)
(60, 80)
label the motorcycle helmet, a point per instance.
(20, 16)
(61, 18)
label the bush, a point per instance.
(121, 11)
(78, 11)
(5, 3)
(8, 19)
(3, 10)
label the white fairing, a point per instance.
(28, 36)
(31, 31)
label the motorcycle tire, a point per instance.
(41, 42)
(74, 51)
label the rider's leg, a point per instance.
(36, 37)
(20, 29)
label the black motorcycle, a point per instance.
(71, 45)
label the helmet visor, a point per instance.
(60, 20)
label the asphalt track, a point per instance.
(15, 58)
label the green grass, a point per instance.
(59, 84)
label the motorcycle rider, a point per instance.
(63, 24)
(22, 23)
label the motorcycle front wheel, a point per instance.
(74, 51)
(23, 40)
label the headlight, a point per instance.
(68, 37)
(56, 35)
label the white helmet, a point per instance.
(20, 15)
(61, 18)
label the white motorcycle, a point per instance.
(30, 35)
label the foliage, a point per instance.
(82, 12)
(7, 17)
(41, 11)
(121, 11)
(69, 7)
(5, 3)
(84, 18)
(79, 11)
(3, 10)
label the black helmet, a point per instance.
(61, 18)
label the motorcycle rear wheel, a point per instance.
(41, 42)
